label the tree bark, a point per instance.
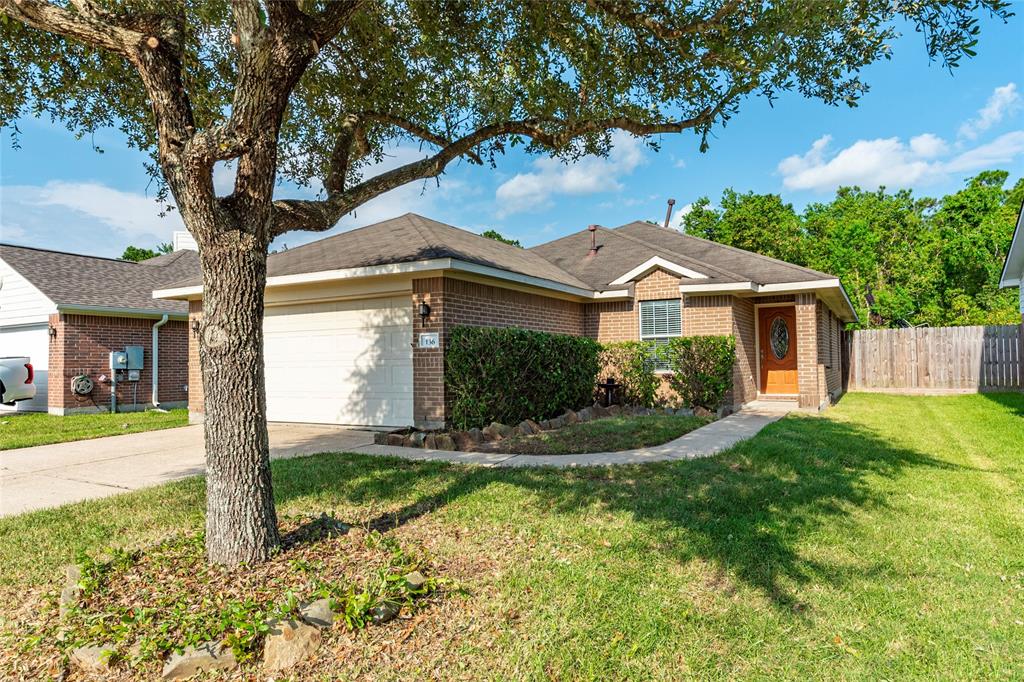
(241, 523)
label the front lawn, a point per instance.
(881, 541)
(23, 429)
(602, 435)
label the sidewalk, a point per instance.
(703, 442)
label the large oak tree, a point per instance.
(307, 89)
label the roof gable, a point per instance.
(746, 265)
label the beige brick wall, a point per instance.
(195, 374)
(744, 373)
(455, 302)
(807, 350)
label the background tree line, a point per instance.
(923, 260)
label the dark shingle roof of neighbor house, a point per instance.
(90, 281)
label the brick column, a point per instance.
(807, 349)
(57, 377)
(428, 398)
(196, 409)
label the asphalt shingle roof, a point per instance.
(406, 239)
(748, 265)
(74, 279)
(566, 261)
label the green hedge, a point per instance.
(509, 374)
(631, 363)
(701, 368)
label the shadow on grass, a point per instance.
(1013, 402)
(746, 510)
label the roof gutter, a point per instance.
(783, 288)
(181, 293)
(111, 311)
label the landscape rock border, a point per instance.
(470, 440)
(289, 642)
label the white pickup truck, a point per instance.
(16, 380)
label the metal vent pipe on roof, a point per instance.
(593, 240)
(668, 213)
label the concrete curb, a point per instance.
(703, 442)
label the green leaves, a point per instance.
(701, 368)
(630, 363)
(509, 374)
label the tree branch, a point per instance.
(318, 216)
(83, 27)
(415, 130)
(624, 15)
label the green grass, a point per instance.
(603, 435)
(21, 430)
(884, 540)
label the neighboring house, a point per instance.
(68, 312)
(348, 339)
(1013, 268)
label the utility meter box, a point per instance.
(134, 354)
(134, 374)
(118, 360)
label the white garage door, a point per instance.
(33, 341)
(347, 362)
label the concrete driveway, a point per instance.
(52, 475)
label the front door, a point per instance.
(777, 341)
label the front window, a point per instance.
(659, 322)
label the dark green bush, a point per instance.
(701, 368)
(509, 374)
(631, 363)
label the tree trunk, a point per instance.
(241, 523)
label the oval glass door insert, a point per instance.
(779, 338)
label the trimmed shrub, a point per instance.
(701, 368)
(508, 374)
(631, 363)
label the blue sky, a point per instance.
(919, 127)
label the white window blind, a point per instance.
(660, 321)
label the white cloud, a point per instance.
(223, 178)
(891, 162)
(928, 146)
(130, 213)
(1004, 101)
(1001, 150)
(885, 161)
(589, 175)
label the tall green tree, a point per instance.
(883, 249)
(762, 223)
(141, 253)
(307, 89)
(976, 227)
(498, 237)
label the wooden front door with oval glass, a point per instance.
(777, 342)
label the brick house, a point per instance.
(67, 313)
(356, 325)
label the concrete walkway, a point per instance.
(52, 475)
(703, 442)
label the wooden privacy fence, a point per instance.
(936, 359)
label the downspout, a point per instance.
(156, 360)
